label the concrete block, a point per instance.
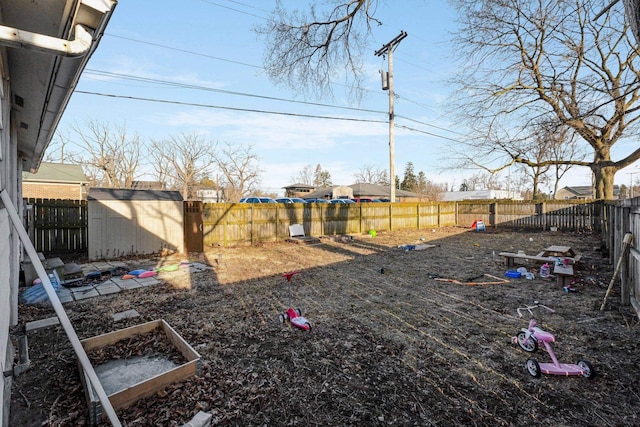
(84, 294)
(202, 419)
(148, 281)
(107, 288)
(41, 324)
(125, 315)
(55, 264)
(29, 270)
(129, 284)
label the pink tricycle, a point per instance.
(294, 315)
(528, 340)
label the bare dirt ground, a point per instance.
(391, 348)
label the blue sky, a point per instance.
(211, 44)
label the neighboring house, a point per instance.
(209, 195)
(455, 196)
(148, 185)
(298, 190)
(44, 48)
(368, 191)
(55, 181)
(582, 192)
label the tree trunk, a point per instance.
(603, 180)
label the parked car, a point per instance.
(290, 200)
(362, 200)
(316, 200)
(341, 201)
(255, 199)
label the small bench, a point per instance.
(510, 257)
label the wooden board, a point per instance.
(130, 395)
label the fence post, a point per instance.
(543, 215)
(277, 220)
(625, 283)
(493, 219)
(456, 214)
(251, 223)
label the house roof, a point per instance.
(147, 185)
(587, 190)
(127, 194)
(298, 185)
(581, 190)
(453, 196)
(57, 172)
(51, 44)
(362, 190)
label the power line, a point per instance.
(236, 10)
(191, 52)
(228, 92)
(221, 107)
(253, 110)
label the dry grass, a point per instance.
(392, 348)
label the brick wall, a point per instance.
(52, 191)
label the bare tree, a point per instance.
(304, 176)
(321, 177)
(481, 181)
(304, 49)
(549, 60)
(58, 151)
(110, 155)
(371, 174)
(240, 170)
(182, 161)
(429, 190)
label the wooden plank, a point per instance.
(130, 395)
(115, 336)
(185, 349)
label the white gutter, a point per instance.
(13, 37)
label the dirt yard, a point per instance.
(389, 345)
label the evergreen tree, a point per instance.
(410, 182)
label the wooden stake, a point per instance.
(628, 238)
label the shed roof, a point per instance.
(56, 172)
(127, 194)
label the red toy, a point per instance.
(294, 315)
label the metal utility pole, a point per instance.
(387, 84)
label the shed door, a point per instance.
(193, 236)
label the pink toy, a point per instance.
(294, 315)
(528, 340)
(148, 273)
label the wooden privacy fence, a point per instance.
(623, 217)
(239, 223)
(57, 226)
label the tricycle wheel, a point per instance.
(533, 367)
(281, 318)
(529, 345)
(308, 325)
(587, 369)
(298, 312)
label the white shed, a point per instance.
(128, 222)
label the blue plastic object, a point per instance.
(513, 274)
